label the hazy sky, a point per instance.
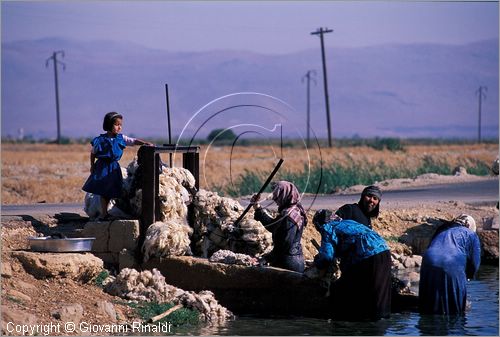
(268, 27)
(259, 26)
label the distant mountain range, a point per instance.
(399, 90)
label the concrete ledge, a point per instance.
(255, 290)
(249, 290)
(113, 236)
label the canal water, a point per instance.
(482, 319)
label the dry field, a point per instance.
(55, 173)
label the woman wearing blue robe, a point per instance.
(452, 257)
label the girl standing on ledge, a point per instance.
(106, 177)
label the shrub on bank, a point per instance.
(334, 176)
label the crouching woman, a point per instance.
(363, 291)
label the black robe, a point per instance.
(354, 212)
(287, 250)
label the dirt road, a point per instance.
(480, 192)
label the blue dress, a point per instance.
(363, 291)
(453, 256)
(106, 180)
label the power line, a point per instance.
(309, 78)
(320, 32)
(55, 62)
(481, 94)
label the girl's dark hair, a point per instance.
(109, 120)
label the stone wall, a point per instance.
(116, 241)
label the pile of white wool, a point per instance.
(151, 286)
(214, 229)
(166, 239)
(229, 257)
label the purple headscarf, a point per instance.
(286, 195)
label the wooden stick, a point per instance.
(166, 313)
(315, 244)
(276, 168)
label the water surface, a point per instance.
(481, 319)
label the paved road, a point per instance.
(479, 192)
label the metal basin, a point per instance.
(49, 244)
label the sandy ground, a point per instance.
(26, 297)
(395, 220)
(422, 180)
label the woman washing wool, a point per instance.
(286, 228)
(363, 291)
(453, 256)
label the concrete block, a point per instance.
(123, 234)
(99, 230)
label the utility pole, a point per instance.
(320, 32)
(309, 78)
(54, 59)
(168, 124)
(481, 94)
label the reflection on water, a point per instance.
(441, 325)
(481, 319)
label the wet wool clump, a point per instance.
(229, 257)
(214, 229)
(150, 285)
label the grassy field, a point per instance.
(53, 173)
